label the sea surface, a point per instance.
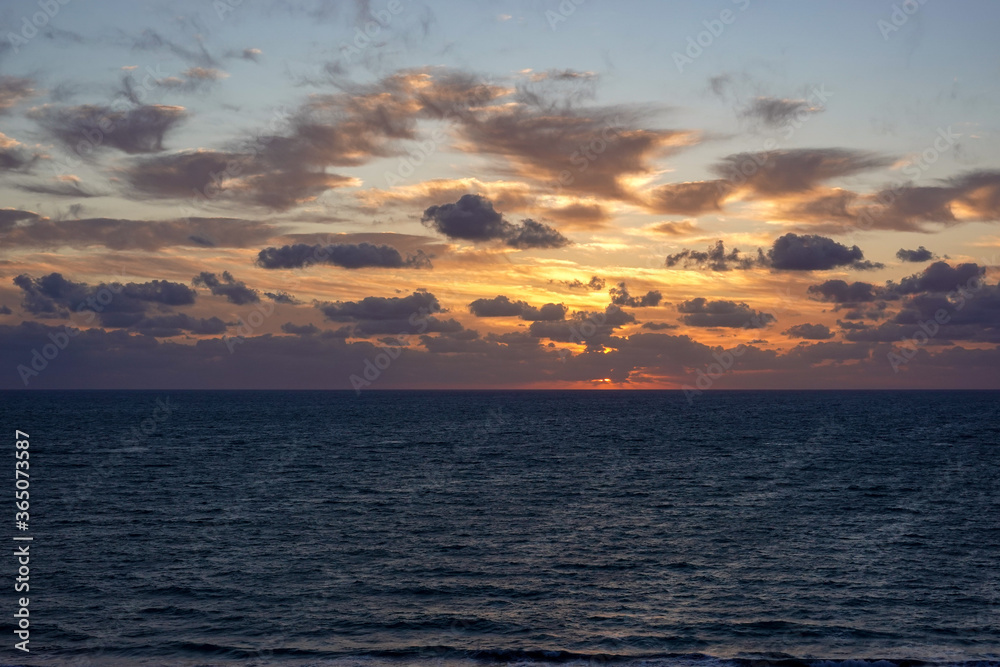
(457, 528)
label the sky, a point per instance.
(574, 194)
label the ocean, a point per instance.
(461, 528)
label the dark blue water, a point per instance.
(449, 528)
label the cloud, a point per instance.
(972, 196)
(300, 330)
(841, 292)
(14, 89)
(587, 151)
(974, 316)
(941, 277)
(167, 326)
(473, 218)
(88, 128)
(203, 175)
(921, 254)
(14, 156)
(678, 228)
(593, 329)
(65, 185)
(658, 326)
(345, 255)
(11, 217)
(809, 332)
(281, 297)
(687, 198)
(775, 112)
(595, 284)
(700, 312)
(715, 258)
(793, 171)
(620, 297)
(382, 308)
(138, 234)
(151, 40)
(792, 252)
(194, 79)
(234, 290)
(502, 306)
(116, 305)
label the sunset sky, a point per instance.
(392, 194)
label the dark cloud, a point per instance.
(502, 306)
(473, 218)
(809, 332)
(620, 297)
(595, 284)
(593, 329)
(775, 112)
(14, 156)
(792, 252)
(139, 234)
(701, 312)
(88, 128)
(940, 277)
(281, 297)
(11, 217)
(841, 292)
(973, 314)
(167, 326)
(115, 305)
(234, 290)
(417, 304)
(658, 326)
(300, 330)
(498, 306)
(716, 258)
(921, 254)
(345, 255)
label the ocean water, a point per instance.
(454, 528)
